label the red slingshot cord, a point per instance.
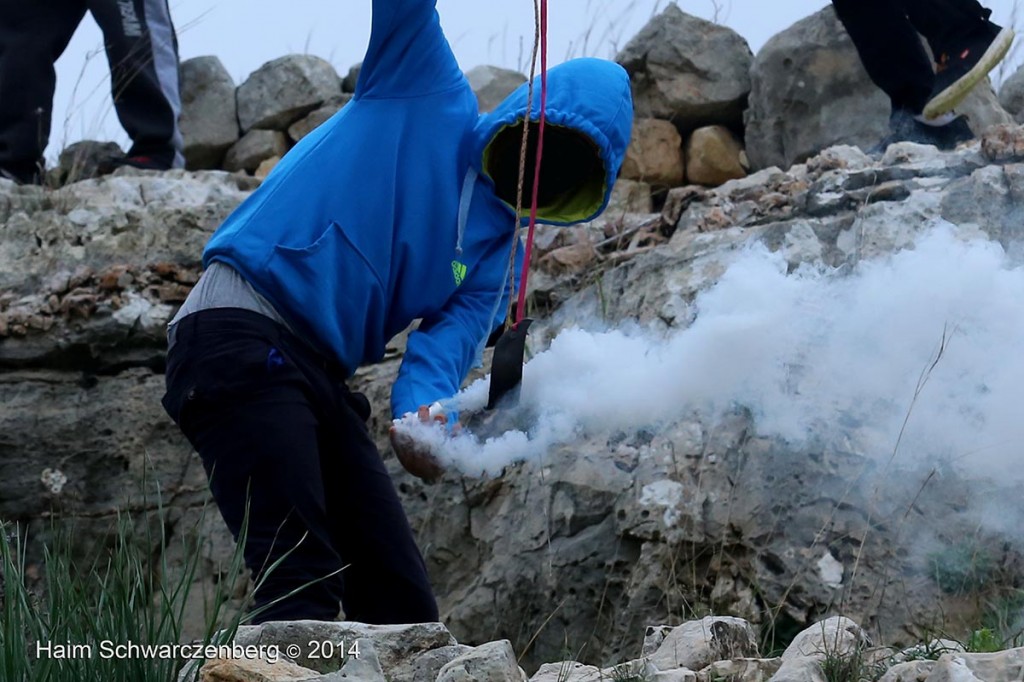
(525, 274)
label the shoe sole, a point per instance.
(948, 99)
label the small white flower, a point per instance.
(54, 480)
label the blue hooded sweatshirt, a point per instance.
(384, 214)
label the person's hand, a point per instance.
(416, 458)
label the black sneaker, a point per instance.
(964, 64)
(904, 126)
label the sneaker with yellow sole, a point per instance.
(964, 64)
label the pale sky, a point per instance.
(247, 33)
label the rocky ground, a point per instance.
(706, 650)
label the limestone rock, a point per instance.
(908, 671)
(395, 645)
(102, 264)
(305, 126)
(348, 83)
(284, 90)
(800, 670)
(209, 112)
(833, 636)
(810, 91)
(365, 667)
(573, 258)
(952, 668)
(255, 147)
(125, 442)
(492, 85)
(267, 165)
(567, 671)
(678, 200)
(630, 196)
(491, 662)
(1011, 95)
(1003, 144)
(983, 109)
(999, 666)
(655, 154)
(678, 675)
(741, 670)
(696, 644)
(107, 273)
(654, 635)
(427, 665)
(846, 157)
(638, 669)
(688, 70)
(86, 160)
(254, 670)
(714, 156)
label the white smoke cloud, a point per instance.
(815, 355)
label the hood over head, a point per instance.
(589, 121)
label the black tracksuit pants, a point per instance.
(143, 55)
(885, 33)
(279, 432)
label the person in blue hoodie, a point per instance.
(399, 208)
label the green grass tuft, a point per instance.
(118, 594)
(961, 570)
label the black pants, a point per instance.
(278, 433)
(885, 33)
(142, 52)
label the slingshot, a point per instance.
(510, 349)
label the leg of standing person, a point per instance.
(287, 447)
(256, 432)
(143, 53)
(32, 36)
(941, 22)
(385, 577)
(889, 49)
(894, 57)
(965, 44)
